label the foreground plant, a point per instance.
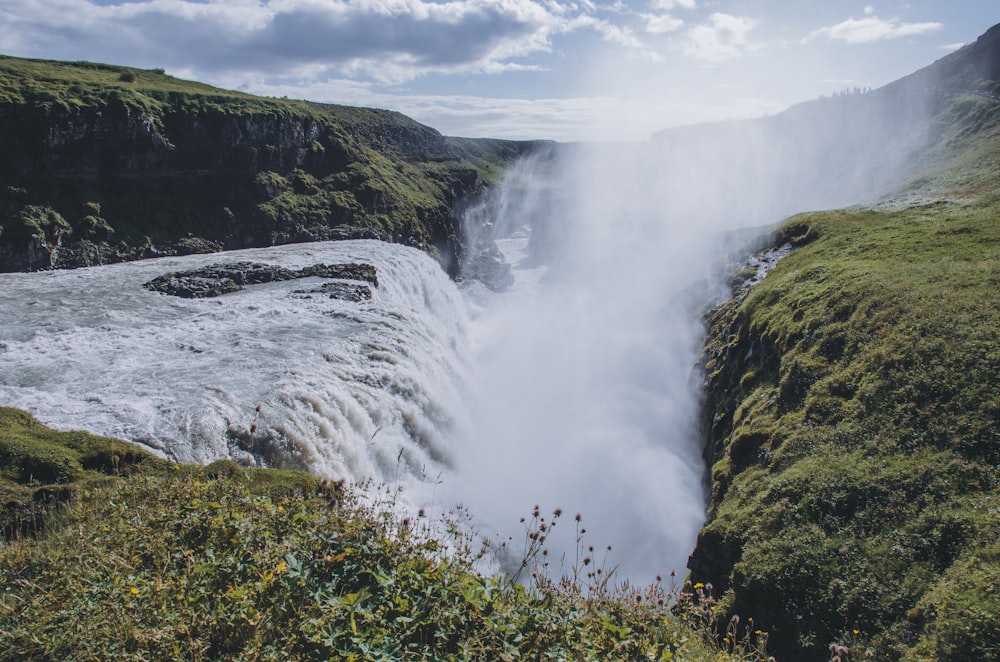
(227, 563)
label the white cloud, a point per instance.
(872, 29)
(388, 40)
(724, 37)
(564, 119)
(661, 23)
(670, 5)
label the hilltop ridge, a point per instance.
(104, 163)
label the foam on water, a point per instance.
(356, 390)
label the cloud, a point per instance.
(566, 119)
(387, 40)
(724, 37)
(670, 5)
(872, 29)
(661, 23)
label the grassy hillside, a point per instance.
(855, 420)
(104, 163)
(149, 560)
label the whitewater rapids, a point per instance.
(457, 394)
(354, 390)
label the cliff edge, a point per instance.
(104, 164)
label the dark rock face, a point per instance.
(356, 292)
(94, 173)
(218, 279)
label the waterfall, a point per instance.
(359, 390)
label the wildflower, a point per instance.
(699, 585)
(134, 591)
(855, 632)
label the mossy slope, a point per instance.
(855, 421)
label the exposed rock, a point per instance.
(490, 269)
(355, 292)
(350, 271)
(149, 170)
(218, 279)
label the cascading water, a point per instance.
(587, 387)
(356, 390)
(577, 389)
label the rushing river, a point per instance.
(357, 390)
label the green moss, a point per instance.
(857, 450)
(40, 467)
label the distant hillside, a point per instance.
(104, 163)
(854, 147)
(852, 411)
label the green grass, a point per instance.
(151, 560)
(856, 447)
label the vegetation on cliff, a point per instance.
(104, 163)
(855, 422)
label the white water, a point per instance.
(497, 412)
(356, 390)
(576, 390)
(587, 385)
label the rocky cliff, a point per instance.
(103, 164)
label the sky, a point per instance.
(524, 69)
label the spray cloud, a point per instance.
(589, 387)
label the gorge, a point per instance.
(582, 386)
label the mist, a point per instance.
(588, 383)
